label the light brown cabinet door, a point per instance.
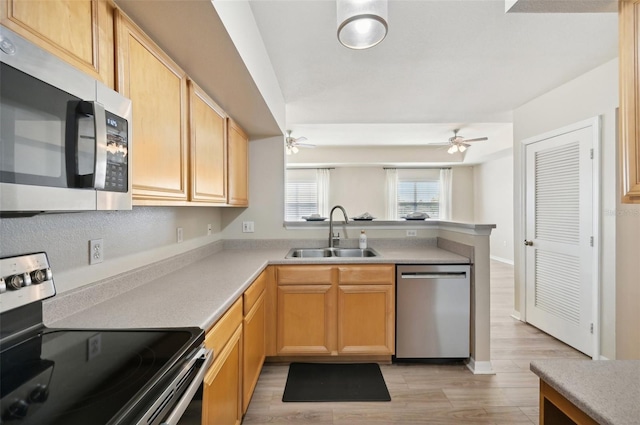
(630, 99)
(253, 349)
(370, 274)
(208, 148)
(306, 319)
(222, 396)
(238, 165)
(366, 319)
(79, 32)
(157, 88)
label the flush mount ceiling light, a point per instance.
(361, 23)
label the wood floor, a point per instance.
(436, 394)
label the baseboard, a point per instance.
(480, 368)
(516, 315)
(502, 260)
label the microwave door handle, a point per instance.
(100, 162)
(86, 123)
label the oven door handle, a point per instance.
(181, 406)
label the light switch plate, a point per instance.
(247, 227)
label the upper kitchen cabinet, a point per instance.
(80, 32)
(630, 99)
(238, 166)
(208, 148)
(157, 88)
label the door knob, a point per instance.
(528, 243)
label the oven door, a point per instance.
(176, 400)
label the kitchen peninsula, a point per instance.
(196, 288)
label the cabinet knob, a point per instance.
(528, 243)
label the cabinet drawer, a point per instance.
(224, 328)
(253, 292)
(369, 274)
(295, 275)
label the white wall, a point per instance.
(359, 190)
(462, 196)
(592, 94)
(266, 200)
(493, 202)
(132, 239)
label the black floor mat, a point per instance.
(335, 382)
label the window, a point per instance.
(418, 191)
(301, 194)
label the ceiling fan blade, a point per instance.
(305, 145)
(300, 139)
(479, 139)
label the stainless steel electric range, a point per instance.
(87, 376)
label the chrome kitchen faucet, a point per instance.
(335, 240)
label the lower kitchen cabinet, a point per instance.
(253, 338)
(222, 388)
(365, 319)
(306, 319)
(366, 300)
(335, 310)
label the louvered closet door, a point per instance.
(559, 221)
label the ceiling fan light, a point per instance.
(361, 23)
(462, 148)
(453, 149)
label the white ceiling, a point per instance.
(444, 64)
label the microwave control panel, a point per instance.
(117, 154)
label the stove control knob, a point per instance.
(39, 276)
(15, 282)
(18, 410)
(3, 286)
(39, 394)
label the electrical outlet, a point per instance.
(94, 346)
(209, 229)
(247, 227)
(412, 233)
(179, 235)
(96, 251)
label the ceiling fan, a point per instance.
(460, 144)
(292, 143)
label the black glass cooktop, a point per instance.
(87, 376)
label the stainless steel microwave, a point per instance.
(65, 138)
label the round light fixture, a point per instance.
(361, 23)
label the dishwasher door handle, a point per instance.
(427, 275)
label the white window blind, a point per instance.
(418, 191)
(301, 194)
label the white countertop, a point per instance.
(198, 294)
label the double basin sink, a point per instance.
(332, 253)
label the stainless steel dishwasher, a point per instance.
(433, 304)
